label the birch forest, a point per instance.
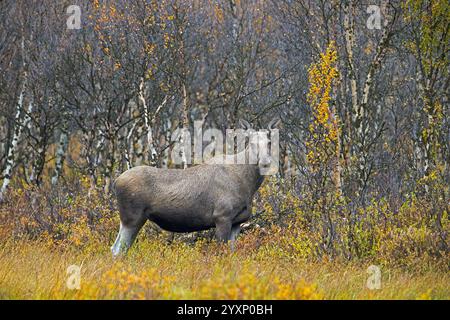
(89, 89)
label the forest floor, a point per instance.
(154, 269)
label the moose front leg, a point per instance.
(223, 229)
(234, 234)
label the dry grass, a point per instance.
(43, 232)
(156, 270)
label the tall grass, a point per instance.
(157, 270)
(284, 254)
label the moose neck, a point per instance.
(251, 173)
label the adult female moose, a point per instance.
(194, 199)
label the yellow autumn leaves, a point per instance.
(324, 128)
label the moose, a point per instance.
(212, 194)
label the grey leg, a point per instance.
(125, 238)
(234, 234)
(223, 230)
(115, 249)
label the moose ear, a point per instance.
(244, 124)
(274, 124)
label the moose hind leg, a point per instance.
(115, 249)
(125, 238)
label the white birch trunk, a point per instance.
(18, 129)
(61, 153)
(149, 122)
(150, 145)
(185, 127)
(168, 137)
(129, 147)
(349, 45)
